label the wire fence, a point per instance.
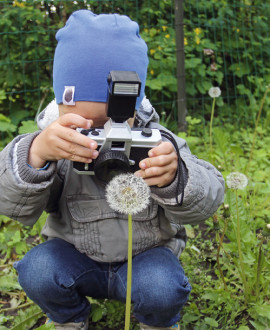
(238, 33)
(226, 44)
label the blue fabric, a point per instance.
(58, 278)
(89, 47)
(45, 167)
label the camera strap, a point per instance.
(180, 185)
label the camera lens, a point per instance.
(111, 163)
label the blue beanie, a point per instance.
(89, 47)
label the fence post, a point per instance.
(180, 64)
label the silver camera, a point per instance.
(120, 147)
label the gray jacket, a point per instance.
(79, 213)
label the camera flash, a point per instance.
(126, 89)
(123, 89)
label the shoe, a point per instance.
(70, 326)
(149, 327)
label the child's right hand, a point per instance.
(60, 140)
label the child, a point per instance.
(85, 251)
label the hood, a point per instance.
(144, 114)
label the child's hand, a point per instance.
(60, 140)
(161, 166)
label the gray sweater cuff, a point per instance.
(172, 191)
(26, 173)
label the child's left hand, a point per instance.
(161, 166)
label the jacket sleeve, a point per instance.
(203, 187)
(24, 190)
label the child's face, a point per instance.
(89, 110)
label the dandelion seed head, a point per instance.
(53, 9)
(268, 226)
(237, 180)
(214, 92)
(127, 194)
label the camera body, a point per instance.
(120, 147)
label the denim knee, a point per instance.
(34, 274)
(38, 271)
(159, 281)
(159, 293)
(47, 275)
(160, 290)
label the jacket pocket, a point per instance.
(102, 233)
(85, 208)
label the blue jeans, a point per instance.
(57, 277)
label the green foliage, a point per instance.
(15, 241)
(109, 314)
(237, 287)
(24, 58)
(6, 130)
(5, 124)
(28, 126)
(237, 66)
(27, 319)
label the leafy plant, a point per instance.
(239, 257)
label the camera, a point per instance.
(120, 147)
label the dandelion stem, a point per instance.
(17, 307)
(129, 274)
(256, 126)
(259, 269)
(220, 239)
(211, 126)
(238, 237)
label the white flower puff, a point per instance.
(214, 92)
(237, 180)
(127, 194)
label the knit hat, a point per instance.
(89, 47)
